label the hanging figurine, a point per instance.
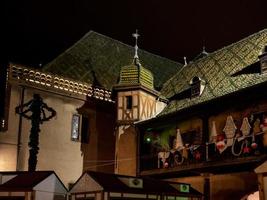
(162, 156)
(213, 134)
(245, 128)
(179, 142)
(229, 130)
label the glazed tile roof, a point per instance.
(216, 69)
(105, 56)
(136, 74)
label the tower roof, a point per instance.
(135, 74)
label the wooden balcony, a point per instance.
(210, 160)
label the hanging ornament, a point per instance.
(245, 128)
(179, 142)
(166, 165)
(256, 126)
(221, 146)
(254, 145)
(162, 156)
(213, 135)
(229, 130)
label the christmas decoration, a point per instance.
(241, 147)
(213, 135)
(162, 156)
(256, 126)
(246, 149)
(254, 145)
(179, 142)
(166, 165)
(221, 146)
(229, 130)
(245, 128)
(220, 137)
(178, 158)
(185, 151)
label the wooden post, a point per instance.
(261, 172)
(261, 186)
(206, 185)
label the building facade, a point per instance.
(203, 123)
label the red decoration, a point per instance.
(220, 145)
(246, 150)
(166, 165)
(220, 137)
(254, 145)
(197, 155)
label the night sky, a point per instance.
(37, 31)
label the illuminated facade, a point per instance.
(203, 123)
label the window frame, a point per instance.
(79, 127)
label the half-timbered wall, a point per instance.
(125, 114)
(147, 108)
(144, 105)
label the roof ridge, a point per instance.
(228, 46)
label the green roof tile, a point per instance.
(105, 56)
(216, 69)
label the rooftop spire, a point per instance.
(185, 61)
(204, 50)
(136, 35)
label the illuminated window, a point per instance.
(80, 128)
(75, 129)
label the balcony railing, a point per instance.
(193, 157)
(45, 80)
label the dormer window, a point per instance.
(197, 86)
(263, 61)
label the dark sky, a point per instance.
(37, 31)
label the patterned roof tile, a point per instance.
(105, 56)
(216, 69)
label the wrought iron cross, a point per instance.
(136, 35)
(34, 110)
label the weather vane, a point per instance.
(136, 35)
